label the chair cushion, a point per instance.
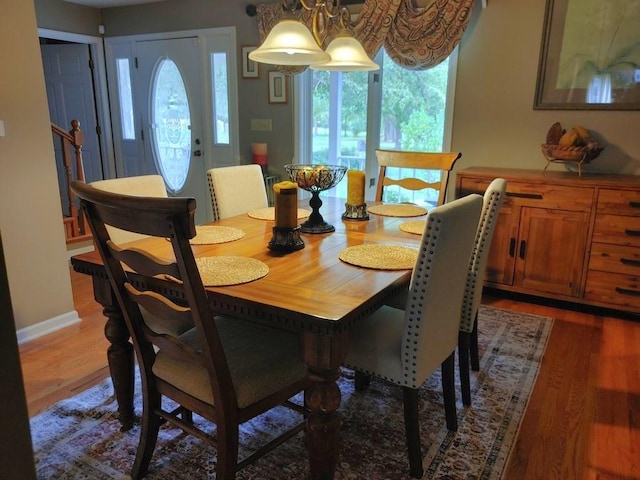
(374, 345)
(261, 360)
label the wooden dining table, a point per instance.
(308, 291)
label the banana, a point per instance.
(583, 133)
(569, 139)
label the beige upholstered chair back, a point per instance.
(493, 198)
(432, 312)
(236, 190)
(140, 186)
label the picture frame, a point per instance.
(589, 57)
(277, 87)
(250, 69)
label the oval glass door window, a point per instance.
(171, 119)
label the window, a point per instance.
(220, 88)
(171, 121)
(346, 116)
(125, 97)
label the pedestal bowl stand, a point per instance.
(315, 179)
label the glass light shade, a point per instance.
(347, 55)
(289, 43)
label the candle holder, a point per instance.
(314, 179)
(355, 212)
(286, 239)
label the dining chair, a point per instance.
(224, 369)
(405, 346)
(468, 336)
(439, 162)
(236, 190)
(140, 185)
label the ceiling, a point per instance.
(110, 3)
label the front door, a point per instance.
(168, 87)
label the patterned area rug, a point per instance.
(79, 438)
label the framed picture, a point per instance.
(277, 87)
(590, 56)
(250, 69)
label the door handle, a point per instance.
(523, 249)
(197, 153)
(512, 247)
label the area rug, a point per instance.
(79, 438)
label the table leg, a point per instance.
(119, 353)
(323, 355)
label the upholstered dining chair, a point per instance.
(441, 162)
(468, 337)
(224, 369)
(404, 347)
(236, 190)
(140, 185)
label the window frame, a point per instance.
(303, 104)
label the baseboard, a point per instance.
(78, 249)
(32, 332)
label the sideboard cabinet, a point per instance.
(563, 236)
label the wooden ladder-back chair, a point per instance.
(468, 337)
(226, 370)
(442, 162)
(236, 190)
(75, 227)
(405, 346)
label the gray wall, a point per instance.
(67, 17)
(494, 121)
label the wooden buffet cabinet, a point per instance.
(564, 237)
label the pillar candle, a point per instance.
(355, 187)
(286, 204)
(259, 154)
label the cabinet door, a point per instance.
(551, 250)
(502, 255)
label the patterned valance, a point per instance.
(416, 38)
(421, 38)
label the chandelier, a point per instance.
(290, 42)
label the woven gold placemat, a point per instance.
(230, 270)
(269, 213)
(397, 210)
(416, 226)
(380, 257)
(209, 234)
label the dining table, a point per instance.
(310, 291)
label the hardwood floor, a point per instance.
(582, 422)
(63, 363)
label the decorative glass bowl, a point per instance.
(315, 179)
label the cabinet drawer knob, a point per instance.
(632, 233)
(634, 204)
(626, 291)
(630, 261)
